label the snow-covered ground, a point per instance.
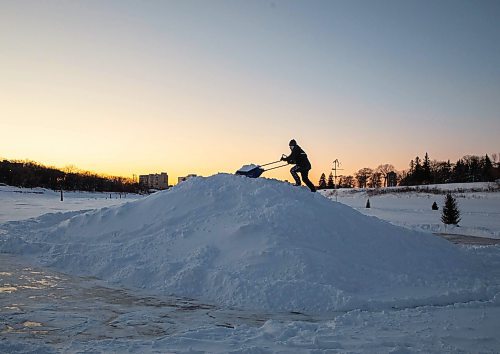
(479, 205)
(23, 203)
(231, 264)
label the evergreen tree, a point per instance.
(322, 181)
(447, 172)
(426, 170)
(459, 172)
(330, 183)
(487, 169)
(473, 164)
(451, 214)
(418, 172)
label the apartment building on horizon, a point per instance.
(154, 180)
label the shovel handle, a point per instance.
(272, 168)
(270, 163)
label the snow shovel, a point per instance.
(254, 171)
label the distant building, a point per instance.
(182, 179)
(155, 180)
(392, 179)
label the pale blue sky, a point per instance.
(367, 82)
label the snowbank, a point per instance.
(256, 244)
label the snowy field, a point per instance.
(479, 205)
(25, 203)
(227, 264)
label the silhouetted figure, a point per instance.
(435, 206)
(299, 158)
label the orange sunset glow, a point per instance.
(129, 88)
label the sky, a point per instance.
(137, 87)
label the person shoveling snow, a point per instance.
(297, 157)
(302, 165)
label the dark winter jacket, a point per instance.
(299, 157)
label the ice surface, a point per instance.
(255, 244)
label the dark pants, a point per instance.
(304, 173)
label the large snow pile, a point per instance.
(253, 243)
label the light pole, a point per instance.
(61, 180)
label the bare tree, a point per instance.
(349, 181)
(346, 181)
(375, 180)
(362, 176)
(494, 158)
(384, 171)
(71, 169)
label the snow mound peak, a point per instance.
(256, 244)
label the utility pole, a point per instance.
(336, 165)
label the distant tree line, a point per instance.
(341, 182)
(364, 178)
(29, 174)
(467, 169)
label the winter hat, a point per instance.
(292, 143)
